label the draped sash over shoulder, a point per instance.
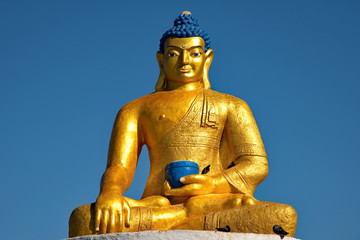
(196, 137)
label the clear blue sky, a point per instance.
(67, 67)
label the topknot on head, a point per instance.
(185, 19)
(185, 13)
(185, 25)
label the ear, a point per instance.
(161, 83)
(208, 59)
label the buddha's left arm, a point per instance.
(245, 148)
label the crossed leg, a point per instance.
(82, 219)
(206, 212)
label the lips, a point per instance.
(185, 69)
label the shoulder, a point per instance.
(229, 101)
(135, 107)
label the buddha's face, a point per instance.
(184, 59)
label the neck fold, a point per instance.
(183, 86)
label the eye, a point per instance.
(172, 54)
(196, 54)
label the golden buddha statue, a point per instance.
(185, 120)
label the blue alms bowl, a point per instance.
(176, 170)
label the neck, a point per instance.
(183, 86)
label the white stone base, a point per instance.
(181, 235)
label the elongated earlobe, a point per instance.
(209, 57)
(161, 83)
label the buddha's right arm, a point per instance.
(124, 149)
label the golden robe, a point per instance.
(217, 130)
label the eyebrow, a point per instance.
(185, 48)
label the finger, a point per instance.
(247, 200)
(187, 190)
(121, 223)
(97, 220)
(166, 186)
(112, 226)
(196, 178)
(104, 222)
(127, 214)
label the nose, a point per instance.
(185, 57)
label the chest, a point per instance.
(165, 111)
(162, 112)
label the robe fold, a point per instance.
(200, 136)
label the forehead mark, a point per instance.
(182, 43)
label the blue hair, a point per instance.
(185, 25)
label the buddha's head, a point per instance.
(185, 55)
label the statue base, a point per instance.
(180, 235)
